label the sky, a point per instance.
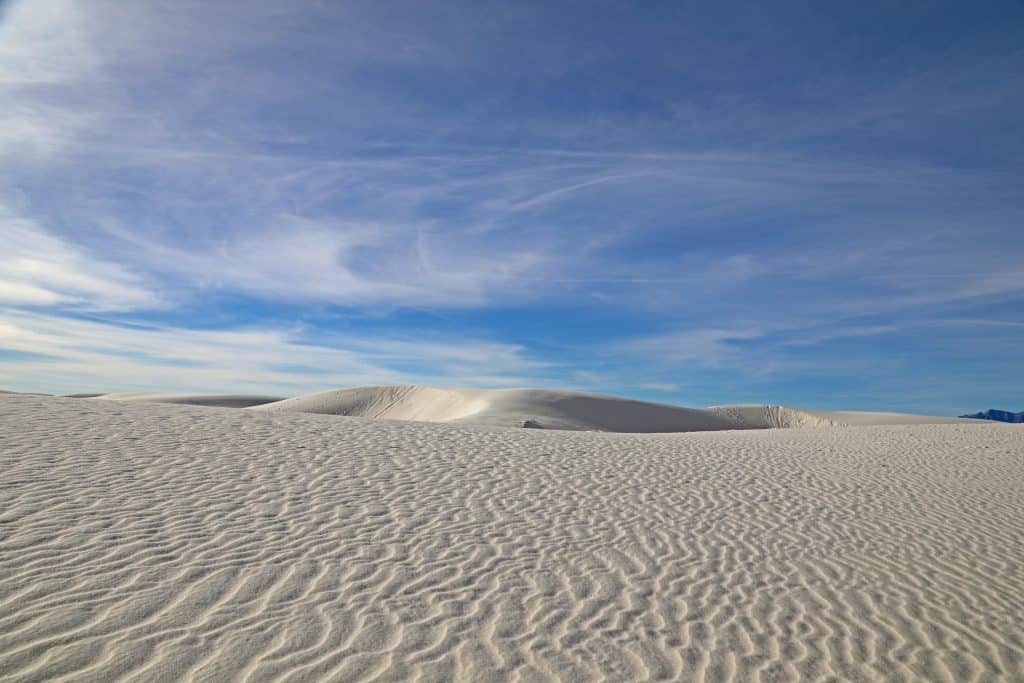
(813, 204)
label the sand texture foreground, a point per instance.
(157, 542)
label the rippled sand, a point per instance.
(160, 542)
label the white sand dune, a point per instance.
(150, 542)
(503, 407)
(567, 410)
(212, 400)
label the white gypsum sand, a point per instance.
(154, 542)
(545, 408)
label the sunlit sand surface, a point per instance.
(151, 542)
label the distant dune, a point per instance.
(212, 400)
(546, 409)
(997, 416)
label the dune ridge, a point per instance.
(211, 400)
(146, 541)
(568, 410)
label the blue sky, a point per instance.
(802, 203)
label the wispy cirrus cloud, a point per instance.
(718, 188)
(43, 352)
(38, 268)
(208, 178)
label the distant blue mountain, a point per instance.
(998, 416)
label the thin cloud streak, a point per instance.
(38, 268)
(62, 354)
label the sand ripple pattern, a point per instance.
(163, 543)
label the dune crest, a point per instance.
(211, 400)
(570, 410)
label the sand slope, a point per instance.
(783, 417)
(567, 410)
(150, 542)
(212, 400)
(503, 407)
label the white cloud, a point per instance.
(702, 347)
(662, 387)
(38, 268)
(67, 355)
(46, 42)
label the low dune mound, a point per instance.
(775, 417)
(213, 400)
(786, 417)
(857, 418)
(547, 409)
(535, 408)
